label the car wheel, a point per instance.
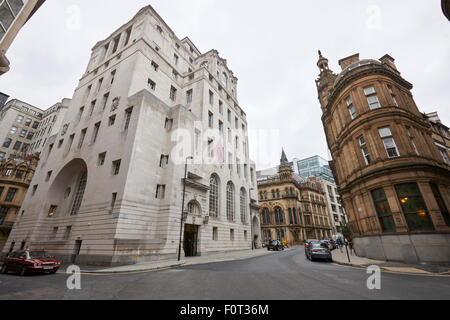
(23, 271)
(4, 269)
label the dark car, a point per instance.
(30, 261)
(318, 250)
(275, 245)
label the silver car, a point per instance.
(319, 250)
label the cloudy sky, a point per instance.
(270, 45)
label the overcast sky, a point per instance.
(271, 46)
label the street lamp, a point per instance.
(182, 206)
(251, 217)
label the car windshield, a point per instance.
(39, 255)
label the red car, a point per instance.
(30, 261)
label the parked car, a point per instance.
(30, 261)
(275, 245)
(332, 242)
(307, 244)
(319, 250)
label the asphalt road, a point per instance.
(279, 276)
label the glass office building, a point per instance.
(315, 167)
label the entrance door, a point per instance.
(76, 250)
(190, 240)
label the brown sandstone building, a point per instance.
(291, 208)
(391, 162)
(15, 178)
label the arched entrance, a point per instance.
(256, 237)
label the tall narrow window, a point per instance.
(351, 108)
(189, 95)
(95, 133)
(105, 100)
(116, 167)
(164, 162)
(151, 84)
(243, 203)
(173, 93)
(160, 191)
(230, 201)
(113, 202)
(127, 36)
(411, 139)
(365, 151)
(389, 143)
(443, 152)
(394, 99)
(214, 197)
(82, 136)
(383, 210)
(128, 114)
(211, 97)
(210, 120)
(91, 110)
(113, 76)
(441, 203)
(413, 207)
(372, 98)
(80, 113)
(79, 195)
(10, 194)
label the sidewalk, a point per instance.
(158, 265)
(396, 267)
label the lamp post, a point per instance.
(182, 206)
(251, 217)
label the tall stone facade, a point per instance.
(393, 177)
(15, 178)
(291, 208)
(111, 189)
(18, 125)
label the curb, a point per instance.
(103, 271)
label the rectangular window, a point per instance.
(168, 124)
(99, 86)
(160, 191)
(365, 150)
(13, 130)
(210, 120)
(164, 161)
(128, 114)
(105, 100)
(389, 143)
(11, 194)
(232, 235)
(3, 214)
(113, 202)
(80, 113)
(101, 159)
(175, 59)
(116, 167)
(82, 136)
(127, 36)
(17, 146)
(211, 97)
(441, 203)
(71, 138)
(189, 95)
(443, 152)
(411, 139)
(7, 143)
(23, 133)
(91, 110)
(95, 133)
(155, 66)
(151, 84)
(372, 98)
(113, 75)
(67, 233)
(394, 99)
(215, 234)
(112, 120)
(173, 93)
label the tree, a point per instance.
(346, 230)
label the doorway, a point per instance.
(190, 240)
(76, 250)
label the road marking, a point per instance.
(118, 273)
(384, 270)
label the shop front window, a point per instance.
(383, 210)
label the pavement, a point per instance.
(159, 265)
(340, 257)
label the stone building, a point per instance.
(393, 178)
(292, 208)
(18, 124)
(14, 15)
(15, 178)
(110, 191)
(49, 126)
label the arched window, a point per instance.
(79, 195)
(194, 208)
(230, 201)
(225, 80)
(243, 202)
(214, 197)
